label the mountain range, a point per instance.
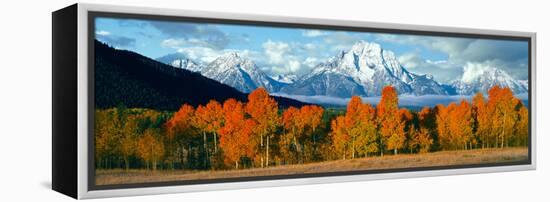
(487, 78)
(362, 70)
(135, 81)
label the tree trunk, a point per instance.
(236, 164)
(215, 143)
(502, 134)
(267, 152)
(314, 136)
(295, 144)
(126, 161)
(353, 148)
(395, 151)
(154, 167)
(261, 146)
(205, 150)
(188, 154)
(502, 142)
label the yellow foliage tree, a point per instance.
(151, 148)
(503, 105)
(340, 136)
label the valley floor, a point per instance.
(442, 158)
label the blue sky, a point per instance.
(295, 51)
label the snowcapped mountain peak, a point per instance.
(363, 70)
(180, 60)
(480, 77)
(240, 73)
(362, 46)
(231, 69)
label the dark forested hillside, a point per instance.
(127, 78)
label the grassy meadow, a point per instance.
(441, 158)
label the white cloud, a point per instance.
(201, 54)
(172, 43)
(436, 62)
(179, 42)
(443, 70)
(474, 70)
(311, 61)
(102, 33)
(281, 57)
(338, 41)
(294, 65)
(275, 50)
(451, 46)
(313, 33)
(309, 46)
(510, 56)
(409, 60)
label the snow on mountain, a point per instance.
(240, 73)
(230, 69)
(363, 70)
(479, 78)
(285, 78)
(179, 60)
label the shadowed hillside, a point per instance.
(125, 77)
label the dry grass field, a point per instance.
(443, 158)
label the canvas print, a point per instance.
(179, 100)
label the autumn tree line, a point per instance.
(257, 133)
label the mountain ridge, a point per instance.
(363, 70)
(128, 78)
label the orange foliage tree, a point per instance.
(236, 133)
(245, 130)
(352, 121)
(264, 112)
(482, 120)
(312, 116)
(208, 119)
(443, 122)
(180, 128)
(390, 125)
(460, 126)
(291, 130)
